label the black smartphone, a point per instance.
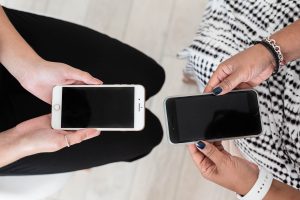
(209, 117)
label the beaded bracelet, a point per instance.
(274, 49)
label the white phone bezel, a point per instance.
(212, 140)
(139, 107)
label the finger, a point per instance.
(219, 75)
(229, 83)
(212, 83)
(212, 152)
(218, 145)
(83, 76)
(244, 86)
(81, 135)
(197, 156)
(204, 164)
(78, 83)
(91, 134)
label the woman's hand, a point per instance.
(36, 136)
(40, 78)
(246, 69)
(218, 166)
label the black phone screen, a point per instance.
(208, 117)
(97, 107)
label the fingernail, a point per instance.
(96, 133)
(200, 145)
(217, 90)
(98, 80)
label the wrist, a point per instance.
(27, 68)
(268, 59)
(11, 148)
(261, 187)
(248, 181)
(20, 64)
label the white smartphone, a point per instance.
(103, 107)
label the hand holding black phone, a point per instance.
(210, 117)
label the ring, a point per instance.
(67, 141)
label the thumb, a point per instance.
(228, 84)
(83, 76)
(211, 151)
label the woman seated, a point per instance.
(38, 53)
(223, 58)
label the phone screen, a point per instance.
(97, 107)
(206, 117)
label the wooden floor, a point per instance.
(159, 28)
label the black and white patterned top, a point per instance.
(226, 29)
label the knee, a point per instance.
(155, 76)
(153, 130)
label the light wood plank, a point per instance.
(69, 10)
(148, 25)
(113, 181)
(193, 187)
(109, 16)
(38, 6)
(183, 25)
(28, 5)
(107, 182)
(76, 188)
(17, 4)
(157, 175)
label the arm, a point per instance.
(280, 191)
(289, 41)
(234, 173)
(35, 74)
(36, 136)
(38, 76)
(15, 54)
(254, 65)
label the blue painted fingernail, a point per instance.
(200, 145)
(217, 90)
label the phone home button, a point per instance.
(56, 107)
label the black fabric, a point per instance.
(103, 57)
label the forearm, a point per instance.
(15, 54)
(279, 191)
(10, 150)
(289, 41)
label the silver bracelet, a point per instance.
(260, 188)
(277, 49)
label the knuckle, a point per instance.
(247, 75)
(210, 151)
(83, 136)
(207, 173)
(226, 85)
(85, 74)
(227, 68)
(225, 162)
(79, 139)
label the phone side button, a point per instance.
(56, 107)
